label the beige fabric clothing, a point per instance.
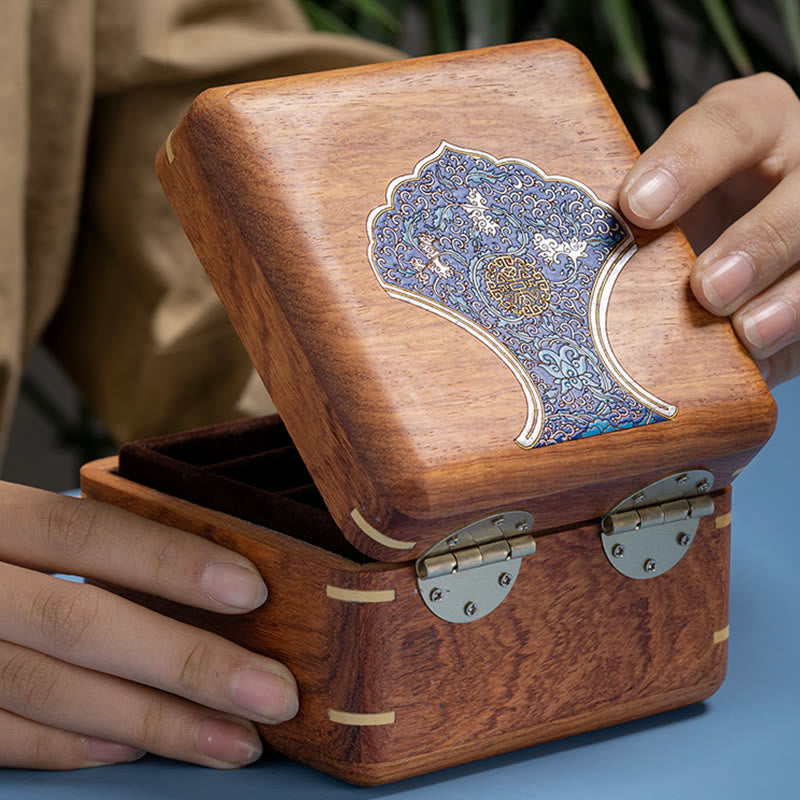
(90, 252)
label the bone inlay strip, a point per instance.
(168, 148)
(721, 636)
(359, 595)
(722, 521)
(374, 533)
(348, 718)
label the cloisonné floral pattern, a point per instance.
(526, 263)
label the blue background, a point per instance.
(742, 742)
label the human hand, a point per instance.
(727, 171)
(87, 677)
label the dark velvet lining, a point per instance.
(249, 469)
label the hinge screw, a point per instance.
(523, 526)
(650, 565)
(617, 551)
(681, 479)
(684, 539)
(703, 486)
(639, 499)
(498, 522)
(470, 609)
(452, 541)
(504, 579)
(435, 595)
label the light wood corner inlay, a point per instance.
(722, 521)
(350, 718)
(376, 535)
(722, 635)
(360, 595)
(168, 147)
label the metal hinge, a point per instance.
(469, 573)
(651, 530)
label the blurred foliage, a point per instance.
(654, 56)
(82, 434)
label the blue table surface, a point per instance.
(742, 742)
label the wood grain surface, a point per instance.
(574, 646)
(398, 413)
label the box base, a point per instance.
(389, 691)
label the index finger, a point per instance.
(735, 125)
(52, 533)
(88, 627)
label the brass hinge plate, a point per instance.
(650, 531)
(470, 572)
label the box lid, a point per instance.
(426, 263)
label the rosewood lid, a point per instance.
(426, 263)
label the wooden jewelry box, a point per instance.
(498, 512)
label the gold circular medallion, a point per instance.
(516, 286)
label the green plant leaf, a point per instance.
(790, 16)
(376, 11)
(444, 26)
(488, 23)
(722, 22)
(622, 27)
(323, 20)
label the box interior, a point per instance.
(249, 469)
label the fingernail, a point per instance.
(768, 322)
(726, 279)
(227, 741)
(101, 751)
(234, 586)
(264, 695)
(652, 194)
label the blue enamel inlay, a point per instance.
(522, 261)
